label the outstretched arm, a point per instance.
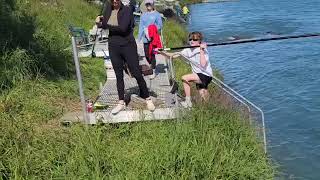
(173, 55)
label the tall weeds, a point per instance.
(39, 29)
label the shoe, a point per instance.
(186, 104)
(153, 75)
(120, 106)
(150, 105)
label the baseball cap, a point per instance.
(149, 1)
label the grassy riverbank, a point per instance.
(190, 1)
(211, 142)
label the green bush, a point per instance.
(15, 66)
(17, 27)
(40, 29)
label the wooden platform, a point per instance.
(167, 104)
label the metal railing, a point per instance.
(256, 115)
(171, 74)
(79, 77)
(245, 107)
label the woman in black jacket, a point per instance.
(123, 49)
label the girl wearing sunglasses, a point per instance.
(200, 76)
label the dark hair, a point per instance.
(195, 35)
(150, 4)
(111, 1)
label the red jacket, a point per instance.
(155, 39)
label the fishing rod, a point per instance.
(247, 41)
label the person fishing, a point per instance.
(198, 57)
(147, 20)
(123, 49)
(201, 68)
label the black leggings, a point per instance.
(120, 54)
(151, 60)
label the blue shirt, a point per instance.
(147, 19)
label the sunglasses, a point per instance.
(194, 40)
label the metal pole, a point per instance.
(76, 62)
(174, 78)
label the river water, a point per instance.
(281, 77)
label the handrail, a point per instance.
(169, 64)
(164, 54)
(79, 77)
(249, 102)
(244, 100)
(90, 44)
(168, 56)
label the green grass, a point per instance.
(208, 143)
(30, 132)
(186, 2)
(211, 143)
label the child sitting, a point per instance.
(201, 68)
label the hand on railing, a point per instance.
(176, 55)
(167, 54)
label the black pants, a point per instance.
(128, 54)
(151, 60)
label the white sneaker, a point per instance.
(186, 104)
(150, 105)
(120, 106)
